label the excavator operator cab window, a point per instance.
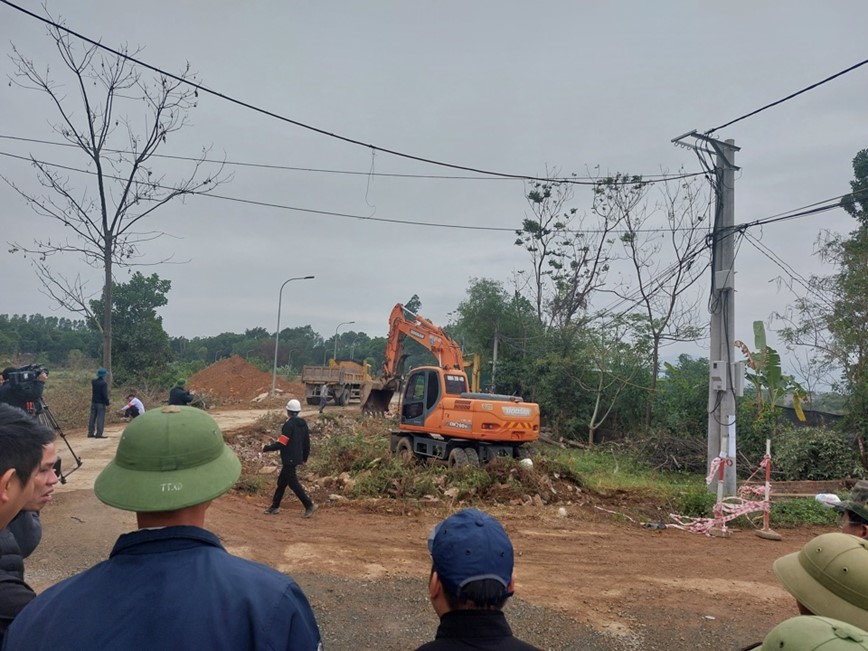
(414, 395)
(455, 384)
(415, 390)
(433, 393)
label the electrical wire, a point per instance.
(282, 118)
(314, 211)
(576, 180)
(787, 98)
(787, 269)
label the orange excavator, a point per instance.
(439, 417)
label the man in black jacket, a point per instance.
(99, 400)
(294, 446)
(471, 579)
(179, 395)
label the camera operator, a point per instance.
(20, 389)
(6, 388)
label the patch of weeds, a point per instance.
(395, 479)
(694, 502)
(799, 511)
(351, 453)
(250, 482)
(472, 481)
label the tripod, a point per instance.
(46, 418)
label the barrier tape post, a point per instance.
(766, 532)
(730, 508)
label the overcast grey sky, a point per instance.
(509, 86)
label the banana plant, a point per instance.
(764, 371)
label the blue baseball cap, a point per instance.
(470, 546)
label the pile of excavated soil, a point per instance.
(235, 381)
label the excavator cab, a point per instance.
(423, 390)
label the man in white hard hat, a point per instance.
(294, 446)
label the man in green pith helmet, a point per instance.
(170, 584)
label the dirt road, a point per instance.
(584, 581)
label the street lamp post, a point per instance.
(335, 356)
(277, 332)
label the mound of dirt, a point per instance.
(236, 381)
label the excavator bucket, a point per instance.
(377, 403)
(376, 397)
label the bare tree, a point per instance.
(104, 220)
(569, 260)
(666, 260)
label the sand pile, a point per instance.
(235, 380)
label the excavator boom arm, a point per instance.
(403, 323)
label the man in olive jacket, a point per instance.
(294, 446)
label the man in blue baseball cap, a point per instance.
(471, 579)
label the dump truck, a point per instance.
(439, 418)
(345, 380)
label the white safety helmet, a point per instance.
(293, 405)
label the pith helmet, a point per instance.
(858, 501)
(168, 459)
(829, 576)
(809, 633)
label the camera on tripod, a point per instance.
(24, 380)
(22, 388)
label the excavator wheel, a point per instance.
(458, 458)
(472, 457)
(404, 450)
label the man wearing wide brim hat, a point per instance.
(854, 511)
(829, 577)
(811, 633)
(170, 584)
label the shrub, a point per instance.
(796, 512)
(695, 501)
(814, 453)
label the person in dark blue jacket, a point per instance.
(98, 402)
(471, 579)
(170, 585)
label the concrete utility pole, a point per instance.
(726, 377)
(494, 363)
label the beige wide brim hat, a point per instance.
(829, 577)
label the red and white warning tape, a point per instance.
(729, 508)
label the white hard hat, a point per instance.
(293, 405)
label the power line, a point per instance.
(583, 180)
(314, 211)
(779, 262)
(738, 227)
(784, 99)
(277, 116)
